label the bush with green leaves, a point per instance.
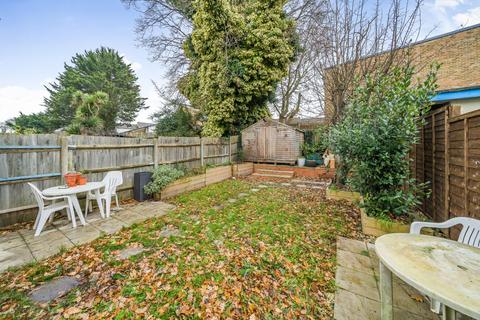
(162, 176)
(374, 139)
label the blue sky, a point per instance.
(38, 36)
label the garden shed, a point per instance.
(271, 141)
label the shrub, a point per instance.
(162, 176)
(374, 139)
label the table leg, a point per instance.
(448, 313)
(77, 208)
(386, 293)
(99, 202)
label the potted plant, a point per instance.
(82, 179)
(301, 161)
(309, 150)
(162, 176)
(71, 178)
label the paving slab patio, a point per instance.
(357, 296)
(21, 247)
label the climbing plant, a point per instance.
(239, 51)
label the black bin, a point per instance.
(140, 179)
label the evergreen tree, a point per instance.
(88, 108)
(99, 70)
(239, 52)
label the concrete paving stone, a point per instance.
(218, 207)
(29, 233)
(317, 187)
(262, 186)
(286, 184)
(242, 194)
(354, 261)
(129, 252)
(48, 249)
(94, 216)
(11, 241)
(153, 212)
(309, 182)
(407, 298)
(130, 217)
(254, 190)
(168, 231)
(10, 235)
(231, 200)
(351, 245)
(83, 235)
(301, 185)
(349, 306)
(109, 225)
(360, 283)
(14, 257)
(53, 289)
(43, 238)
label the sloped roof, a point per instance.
(270, 120)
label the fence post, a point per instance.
(63, 155)
(155, 153)
(202, 160)
(230, 149)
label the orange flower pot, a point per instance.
(71, 179)
(81, 180)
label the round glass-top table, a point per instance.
(445, 270)
(72, 192)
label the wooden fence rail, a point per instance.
(45, 158)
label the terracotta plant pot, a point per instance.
(81, 180)
(71, 179)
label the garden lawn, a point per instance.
(269, 255)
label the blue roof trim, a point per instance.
(456, 95)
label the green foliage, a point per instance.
(162, 176)
(29, 123)
(88, 107)
(316, 142)
(99, 70)
(375, 136)
(239, 52)
(175, 121)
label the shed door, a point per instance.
(260, 142)
(270, 142)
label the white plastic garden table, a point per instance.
(445, 270)
(72, 194)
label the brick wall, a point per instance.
(459, 56)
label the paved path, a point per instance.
(21, 247)
(357, 296)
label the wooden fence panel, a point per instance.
(430, 165)
(43, 159)
(35, 161)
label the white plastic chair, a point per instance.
(111, 180)
(470, 235)
(46, 211)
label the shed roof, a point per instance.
(269, 120)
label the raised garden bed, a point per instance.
(376, 227)
(372, 226)
(211, 175)
(337, 194)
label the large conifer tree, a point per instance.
(100, 70)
